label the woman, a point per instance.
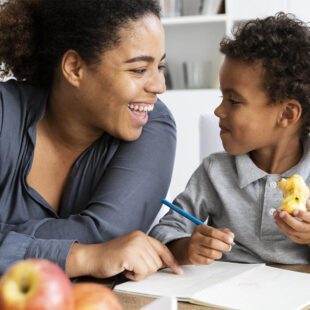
(86, 149)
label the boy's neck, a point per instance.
(280, 158)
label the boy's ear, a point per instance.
(72, 67)
(290, 113)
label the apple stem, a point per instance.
(24, 285)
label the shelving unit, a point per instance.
(197, 38)
(195, 19)
(196, 32)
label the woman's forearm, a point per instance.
(76, 263)
(136, 254)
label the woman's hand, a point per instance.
(136, 254)
(205, 245)
(296, 227)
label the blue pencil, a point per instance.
(185, 214)
(182, 212)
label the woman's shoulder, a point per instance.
(9, 90)
(14, 93)
(20, 105)
(160, 111)
(13, 87)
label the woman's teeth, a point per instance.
(141, 108)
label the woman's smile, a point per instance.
(139, 112)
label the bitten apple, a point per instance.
(35, 284)
(93, 296)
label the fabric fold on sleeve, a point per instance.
(16, 246)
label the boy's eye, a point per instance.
(233, 101)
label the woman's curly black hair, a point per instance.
(34, 34)
(282, 44)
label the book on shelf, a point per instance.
(191, 7)
(228, 286)
(211, 7)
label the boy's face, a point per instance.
(246, 120)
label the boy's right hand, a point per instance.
(207, 244)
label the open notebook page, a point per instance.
(194, 279)
(260, 288)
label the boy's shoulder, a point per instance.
(219, 158)
(219, 168)
(219, 162)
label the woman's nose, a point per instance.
(156, 83)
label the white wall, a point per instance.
(187, 108)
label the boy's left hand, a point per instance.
(296, 226)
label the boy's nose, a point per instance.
(217, 111)
(220, 111)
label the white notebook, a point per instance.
(228, 286)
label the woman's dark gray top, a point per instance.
(114, 187)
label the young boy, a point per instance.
(264, 119)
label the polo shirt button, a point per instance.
(271, 211)
(273, 184)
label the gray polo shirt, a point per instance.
(114, 187)
(236, 194)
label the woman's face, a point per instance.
(117, 95)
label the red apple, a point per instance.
(93, 296)
(35, 284)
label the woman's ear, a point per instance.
(71, 67)
(290, 113)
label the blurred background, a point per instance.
(194, 29)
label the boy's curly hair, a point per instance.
(282, 44)
(34, 34)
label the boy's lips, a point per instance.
(223, 128)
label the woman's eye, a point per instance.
(138, 71)
(162, 67)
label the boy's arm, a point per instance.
(205, 245)
(192, 244)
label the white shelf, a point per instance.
(195, 19)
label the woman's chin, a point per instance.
(131, 135)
